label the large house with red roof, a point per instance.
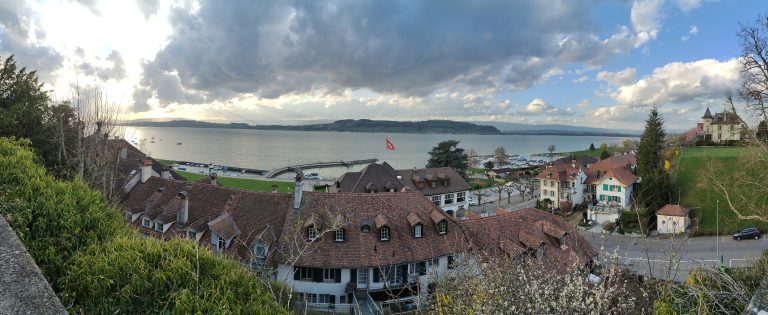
(344, 252)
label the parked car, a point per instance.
(471, 201)
(747, 233)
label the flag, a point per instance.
(390, 146)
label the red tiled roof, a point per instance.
(617, 166)
(427, 175)
(413, 218)
(225, 226)
(364, 249)
(673, 210)
(527, 228)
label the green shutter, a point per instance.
(605, 187)
(618, 199)
(619, 188)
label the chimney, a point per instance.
(573, 163)
(146, 169)
(124, 151)
(297, 189)
(184, 211)
(166, 173)
(213, 179)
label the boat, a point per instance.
(178, 143)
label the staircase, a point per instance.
(367, 305)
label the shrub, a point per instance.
(97, 264)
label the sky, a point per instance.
(594, 63)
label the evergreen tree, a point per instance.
(604, 155)
(448, 154)
(655, 186)
(591, 147)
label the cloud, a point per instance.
(394, 48)
(622, 77)
(148, 7)
(581, 80)
(691, 32)
(117, 71)
(680, 82)
(687, 5)
(583, 104)
(645, 16)
(20, 36)
(539, 107)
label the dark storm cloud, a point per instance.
(15, 29)
(396, 47)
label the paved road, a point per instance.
(652, 256)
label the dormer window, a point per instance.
(418, 230)
(159, 227)
(192, 235)
(384, 234)
(259, 250)
(221, 244)
(434, 184)
(339, 235)
(442, 227)
(311, 233)
(146, 223)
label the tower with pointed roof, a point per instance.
(725, 126)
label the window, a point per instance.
(304, 273)
(339, 235)
(329, 275)
(146, 222)
(442, 227)
(327, 298)
(551, 193)
(451, 262)
(222, 244)
(259, 250)
(384, 234)
(435, 199)
(417, 230)
(310, 297)
(311, 233)
(159, 227)
(544, 192)
(191, 235)
(448, 199)
(434, 184)
(461, 196)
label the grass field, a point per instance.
(688, 176)
(243, 183)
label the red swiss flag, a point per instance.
(390, 146)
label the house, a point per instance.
(610, 186)
(530, 234)
(443, 186)
(672, 219)
(563, 180)
(339, 251)
(721, 127)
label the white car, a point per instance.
(471, 201)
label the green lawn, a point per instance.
(243, 183)
(688, 176)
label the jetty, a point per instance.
(293, 168)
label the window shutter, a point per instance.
(605, 187)
(619, 188)
(376, 274)
(317, 275)
(296, 273)
(353, 275)
(403, 273)
(337, 275)
(333, 298)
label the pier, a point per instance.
(282, 170)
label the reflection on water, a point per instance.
(268, 149)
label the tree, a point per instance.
(604, 155)
(488, 165)
(551, 148)
(626, 144)
(498, 189)
(655, 185)
(448, 154)
(500, 155)
(762, 131)
(603, 146)
(472, 158)
(753, 40)
(591, 147)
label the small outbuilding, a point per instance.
(672, 219)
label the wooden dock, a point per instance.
(286, 169)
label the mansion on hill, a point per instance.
(720, 127)
(381, 249)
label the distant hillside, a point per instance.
(553, 129)
(348, 125)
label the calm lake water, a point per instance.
(268, 149)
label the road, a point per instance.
(652, 256)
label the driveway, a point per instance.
(658, 256)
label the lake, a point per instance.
(268, 149)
